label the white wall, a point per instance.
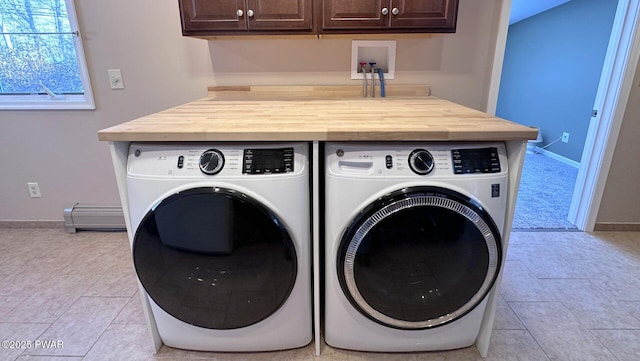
(161, 69)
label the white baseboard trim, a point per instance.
(557, 157)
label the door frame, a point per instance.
(616, 80)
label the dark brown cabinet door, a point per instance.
(437, 15)
(379, 16)
(279, 14)
(212, 15)
(220, 17)
(355, 14)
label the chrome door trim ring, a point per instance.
(411, 201)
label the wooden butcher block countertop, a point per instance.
(324, 113)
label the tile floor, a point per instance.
(564, 296)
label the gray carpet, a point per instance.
(545, 194)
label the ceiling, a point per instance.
(522, 9)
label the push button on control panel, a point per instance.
(388, 161)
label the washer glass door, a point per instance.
(419, 257)
(215, 258)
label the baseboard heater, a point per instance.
(97, 217)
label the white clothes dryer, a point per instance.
(412, 243)
(221, 243)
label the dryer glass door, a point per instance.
(419, 258)
(215, 258)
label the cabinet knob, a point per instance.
(239, 12)
(250, 13)
(385, 11)
(395, 11)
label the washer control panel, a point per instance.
(427, 159)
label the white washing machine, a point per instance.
(222, 243)
(412, 243)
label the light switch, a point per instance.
(115, 79)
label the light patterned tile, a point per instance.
(381, 356)
(618, 280)
(8, 303)
(610, 261)
(306, 353)
(519, 284)
(170, 353)
(81, 325)
(629, 242)
(118, 283)
(554, 328)
(255, 356)
(24, 283)
(633, 307)
(19, 332)
(122, 342)
(464, 354)
(48, 358)
(9, 236)
(13, 259)
(514, 345)
(590, 305)
(506, 319)
(331, 353)
(132, 311)
(50, 299)
(624, 344)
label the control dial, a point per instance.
(211, 162)
(421, 161)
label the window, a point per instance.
(42, 63)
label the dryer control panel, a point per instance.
(216, 160)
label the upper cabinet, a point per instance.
(273, 17)
(237, 17)
(375, 16)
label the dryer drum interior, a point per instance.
(419, 258)
(215, 258)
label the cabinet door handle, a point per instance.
(385, 11)
(395, 11)
(250, 13)
(239, 13)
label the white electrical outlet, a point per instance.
(565, 137)
(115, 79)
(34, 190)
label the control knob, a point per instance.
(211, 162)
(421, 161)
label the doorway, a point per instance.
(609, 93)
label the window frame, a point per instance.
(71, 101)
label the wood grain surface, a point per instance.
(318, 113)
